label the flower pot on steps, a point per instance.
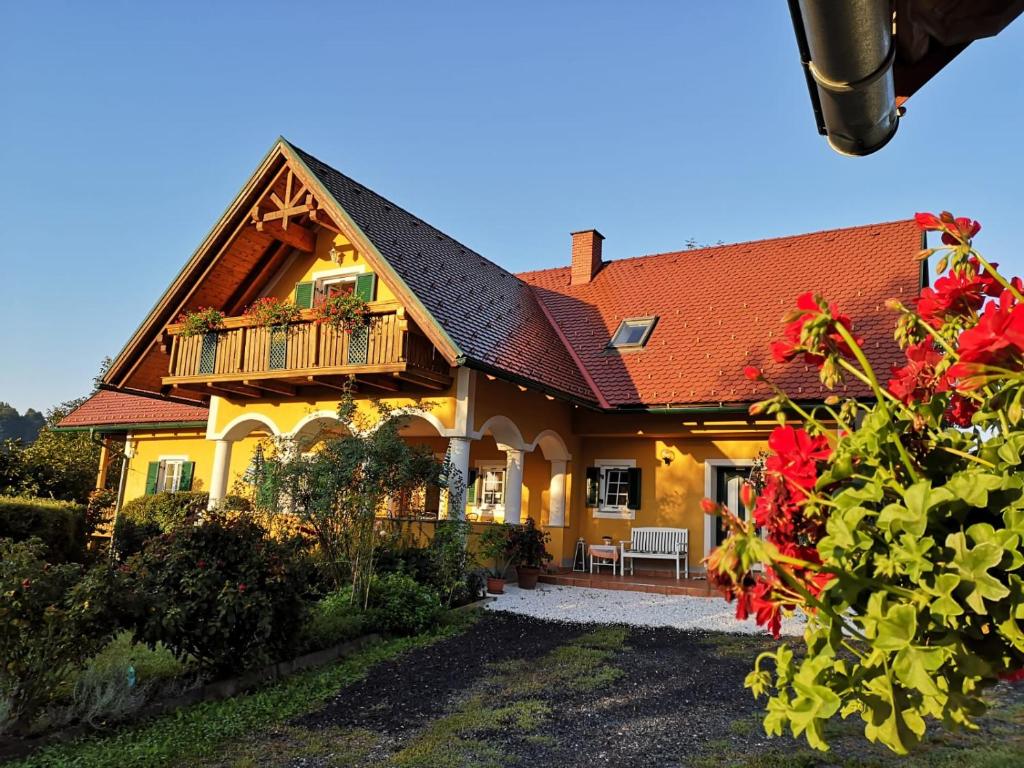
(527, 576)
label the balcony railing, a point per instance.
(305, 352)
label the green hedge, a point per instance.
(60, 524)
(148, 516)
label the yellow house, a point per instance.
(594, 397)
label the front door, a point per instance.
(728, 482)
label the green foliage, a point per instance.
(332, 620)
(203, 320)
(52, 618)
(146, 517)
(222, 592)
(528, 544)
(61, 525)
(901, 534)
(495, 546)
(449, 558)
(60, 465)
(338, 490)
(401, 606)
(200, 731)
(343, 313)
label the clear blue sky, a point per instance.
(126, 128)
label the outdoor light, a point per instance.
(668, 456)
(334, 254)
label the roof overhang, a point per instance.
(118, 377)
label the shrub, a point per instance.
(495, 546)
(332, 620)
(401, 606)
(450, 561)
(147, 517)
(52, 618)
(528, 545)
(222, 592)
(60, 525)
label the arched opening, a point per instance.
(496, 472)
(314, 429)
(424, 431)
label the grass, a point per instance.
(507, 701)
(199, 732)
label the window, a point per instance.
(493, 488)
(329, 287)
(613, 488)
(616, 488)
(169, 475)
(633, 333)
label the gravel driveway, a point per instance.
(639, 609)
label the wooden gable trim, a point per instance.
(220, 237)
(347, 226)
(135, 350)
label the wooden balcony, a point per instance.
(247, 360)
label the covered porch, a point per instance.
(656, 583)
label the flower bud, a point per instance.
(710, 507)
(753, 373)
(747, 495)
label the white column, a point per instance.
(514, 485)
(458, 455)
(556, 495)
(219, 476)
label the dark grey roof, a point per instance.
(491, 315)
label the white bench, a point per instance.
(657, 544)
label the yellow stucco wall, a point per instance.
(191, 445)
(304, 267)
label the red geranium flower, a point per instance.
(955, 294)
(961, 230)
(997, 339)
(917, 381)
(960, 410)
(928, 221)
(796, 454)
(829, 342)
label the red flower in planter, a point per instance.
(954, 230)
(796, 454)
(997, 340)
(823, 342)
(960, 410)
(917, 381)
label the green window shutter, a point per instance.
(304, 295)
(366, 286)
(152, 474)
(471, 487)
(187, 470)
(593, 486)
(633, 501)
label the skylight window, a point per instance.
(633, 333)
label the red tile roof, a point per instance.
(719, 308)
(108, 409)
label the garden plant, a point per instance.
(894, 523)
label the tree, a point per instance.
(901, 533)
(339, 490)
(60, 465)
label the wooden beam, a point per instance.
(271, 385)
(320, 216)
(234, 389)
(423, 380)
(383, 384)
(297, 237)
(286, 213)
(320, 381)
(258, 277)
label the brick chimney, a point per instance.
(586, 256)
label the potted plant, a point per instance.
(201, 321)
(342, 313)
(496, 547)
(272, 312)
(529, 552)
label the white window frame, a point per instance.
(482, 468)
(161, 475)
(618, 511)
(710, 478)
(327, 277)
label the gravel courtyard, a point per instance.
(513, 690)
(640, 609)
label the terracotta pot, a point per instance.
(527, 576)
(495, 586)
